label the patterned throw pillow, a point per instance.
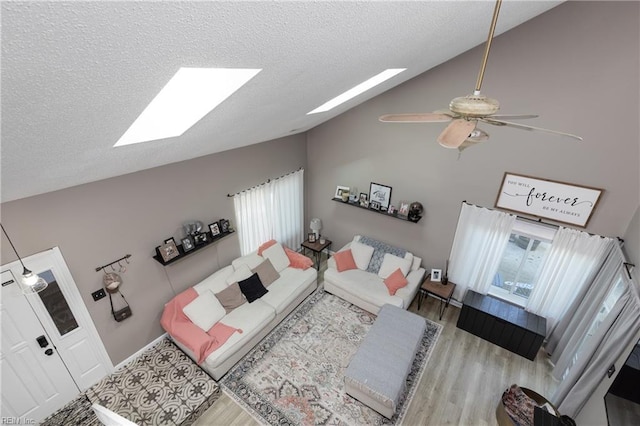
(379, 250)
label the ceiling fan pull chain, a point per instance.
(492, 29)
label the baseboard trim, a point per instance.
(137, 354)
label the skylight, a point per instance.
(355, 91)
(190, 95)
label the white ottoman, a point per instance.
(377, 373)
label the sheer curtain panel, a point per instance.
(571, 263)
(273, 210)
(481, 237)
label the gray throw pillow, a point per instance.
(266, 272)
(231, 297)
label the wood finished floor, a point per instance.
(462, 384)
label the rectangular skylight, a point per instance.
(190, 95)
(355, 91)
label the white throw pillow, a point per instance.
(251, 260)
(409, 257)
(361, 254)
(390, 263)
(415, 265)
(242, 273)
(277, 256)
(215, 282)
(205, 310)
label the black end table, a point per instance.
(316, 247)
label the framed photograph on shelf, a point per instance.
(187, 244)
(340, 190)
(374, 205)
(363, 199)
(168, 250)
(403, 210)
(436, 275)
(201, 238)
(224, 225)
(214, 228)
(381, 194)
(311, 237)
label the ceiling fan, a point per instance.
(465, 112)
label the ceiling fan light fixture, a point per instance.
(475, 105)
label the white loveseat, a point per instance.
(255, 319)
(364, 286)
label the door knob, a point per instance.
(42, 341)
(49, 352)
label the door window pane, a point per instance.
(519, 267)
(57, 305)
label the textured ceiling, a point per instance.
(76, 74)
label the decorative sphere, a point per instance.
(415, 211)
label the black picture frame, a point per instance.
(214, 228)
(200, 238)
(168, 250)
(169, 240)
(187, 244)
(224, 226)
(380, 194)
(363, 200)
(311, 237)
(374, 205)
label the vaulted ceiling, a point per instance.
(75, 75)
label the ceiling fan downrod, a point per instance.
(492, 29)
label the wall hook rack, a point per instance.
(125, 257)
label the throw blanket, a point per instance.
(296, 260)
(180, 327)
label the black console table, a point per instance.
(503, 324)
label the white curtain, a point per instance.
(570, 264)
(273, 210)
(481, 237)
(602, 349)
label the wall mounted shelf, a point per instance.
(384, 213)
(183, 254)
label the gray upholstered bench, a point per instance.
(377, 373)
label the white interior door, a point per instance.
(61, 313)
(35, 381)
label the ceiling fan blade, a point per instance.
(526, 127)
(514, 116)
(456, 133)
(427, 117)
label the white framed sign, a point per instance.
(544, 198)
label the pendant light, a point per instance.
(30, 283)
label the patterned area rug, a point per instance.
(161, 387)
(296, 374)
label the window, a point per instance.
(521, 261)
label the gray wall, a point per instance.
(96, 223)
(576, 66)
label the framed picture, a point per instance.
(201, 238)
(187, 244)
(340, 190)
(168, 250)
(374, 205)
(403, 211)
(311, 237)
(363, 199)
(549, 199)
(214, 228)
(391, 210)
(436, 275)
(224, 225)
(381, 194)
(169, 240)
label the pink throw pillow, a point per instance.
(395, 281)
(344, 260)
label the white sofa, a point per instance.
(255, 319)
(363, 286)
